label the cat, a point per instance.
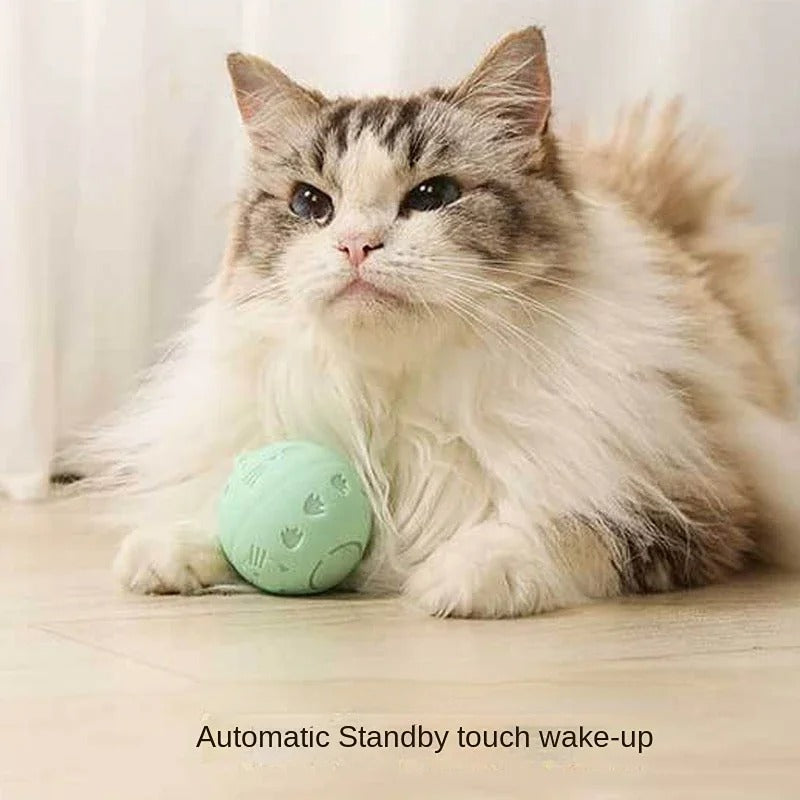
(560, 366)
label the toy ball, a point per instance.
(294, 518)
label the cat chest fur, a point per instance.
(403, 434)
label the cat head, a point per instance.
(381, 213)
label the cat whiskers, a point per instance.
(508, 334)
(559, 366)
(526, 303)
(502, 267)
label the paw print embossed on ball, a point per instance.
(294, 518)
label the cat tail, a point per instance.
(666, 170)
(669, 174)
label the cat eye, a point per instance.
(310, 203)
(431, 194)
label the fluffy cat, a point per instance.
(560, 366)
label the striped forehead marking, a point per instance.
(390, 121)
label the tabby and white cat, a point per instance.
(560, 366)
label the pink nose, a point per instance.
(358, 246)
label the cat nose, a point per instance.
(358, 246)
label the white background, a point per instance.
(120, 147)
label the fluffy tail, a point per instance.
(669, 175)
(666, 171)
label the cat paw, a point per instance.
(179, 560)
(485, 571)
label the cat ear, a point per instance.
(512, 82)
(269, 101)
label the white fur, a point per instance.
(470, 446)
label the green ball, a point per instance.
(294, 518)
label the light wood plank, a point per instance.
(104, 694)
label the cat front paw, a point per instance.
(175, 560)
(487, 571)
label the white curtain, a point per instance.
(120, 148)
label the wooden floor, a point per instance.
(104, 695)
